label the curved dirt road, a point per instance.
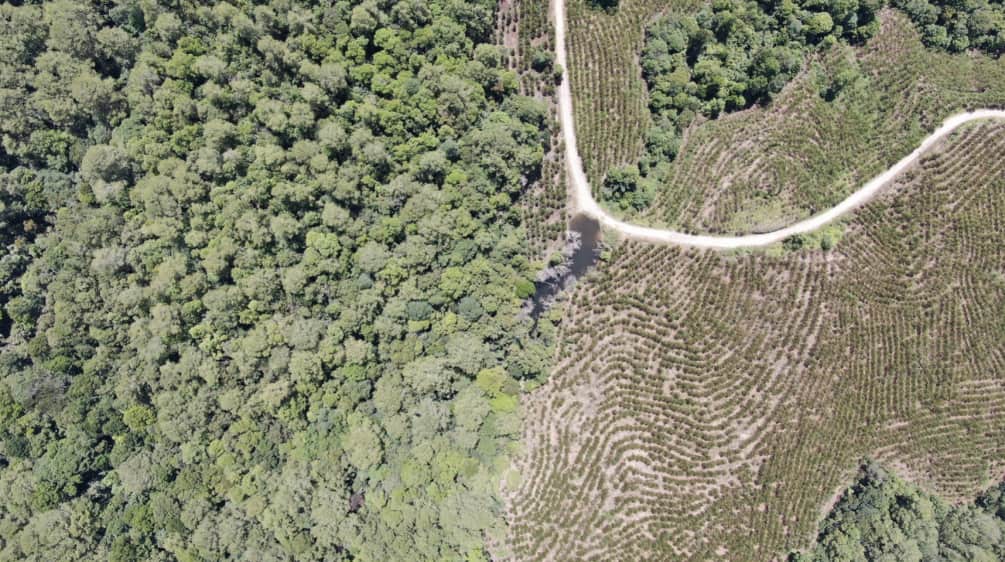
(584, 202)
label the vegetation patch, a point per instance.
(262, 278)
(958, 26)
(882, 517)
(851, 112)
(524, 30)
(735, 53)
(732, 54)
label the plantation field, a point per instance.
(765, 167)
(710, 406)
(522, 30)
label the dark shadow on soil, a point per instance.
(580, 253)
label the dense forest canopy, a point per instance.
(882, 517)
(262, 279)
(958, 25)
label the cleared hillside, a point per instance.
(708, 405)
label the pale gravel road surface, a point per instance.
(583, 201)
